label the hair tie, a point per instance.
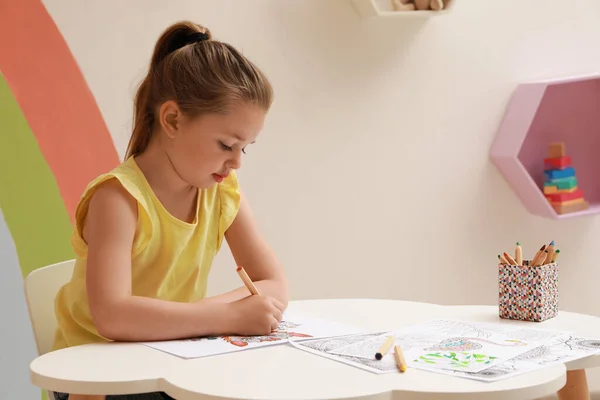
(184, 41)
(198, 37)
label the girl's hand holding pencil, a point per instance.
(247, 281)
(256, 314)
(547, 254)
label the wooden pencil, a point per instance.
(247, 281)
(385, 347)
(541, 259)
(502, 259)
(399, 356)
(539, 253)
(511, 260)
(519, 254)
(550, 253)
(535, 259)
(555, 256)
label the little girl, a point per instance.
(147, 232)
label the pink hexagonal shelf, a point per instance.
(539, 113)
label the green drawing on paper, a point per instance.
(461, 359)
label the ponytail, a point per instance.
(200, 74)
(143, 121)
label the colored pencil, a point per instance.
(511, 260)
(247, 281)
(502, 259)
(539, 253)
(555, 256)
(399, 356)
(550, 253)
(541, 259)
(385, 347)
(519, 254)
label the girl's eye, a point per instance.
(225, 147)
(229, 148)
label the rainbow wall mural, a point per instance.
(53, 141)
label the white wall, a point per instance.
(374, 161)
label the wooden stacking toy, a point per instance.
(560, 187)
(420, 5)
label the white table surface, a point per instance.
(283, 372)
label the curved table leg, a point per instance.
(576, 387)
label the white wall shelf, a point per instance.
(383, 9)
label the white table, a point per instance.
(283, 372)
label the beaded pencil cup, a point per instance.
(527, 292)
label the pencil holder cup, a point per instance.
(528, 293)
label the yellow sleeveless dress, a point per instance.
(171, 259)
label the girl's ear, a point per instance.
(169, 117)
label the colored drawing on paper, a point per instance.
(281, 333)
(242, 341)
(533, 349)
(475, 347)
(445, 345)
(467, 344)
(292, 329)
(461, 359)
(448, 338)
(557, 347)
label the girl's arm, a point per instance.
(250, 250)
(117, 314)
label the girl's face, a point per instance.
(205, 149)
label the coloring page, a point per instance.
(518, 331)
(292, 327)
(555, 347)
(328, 347)
(446, 344)
(563, 347)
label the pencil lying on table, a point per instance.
(247, 281)
(399, 356)
(385, 347)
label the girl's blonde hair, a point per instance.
(200, 74)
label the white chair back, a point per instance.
(41, 286)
